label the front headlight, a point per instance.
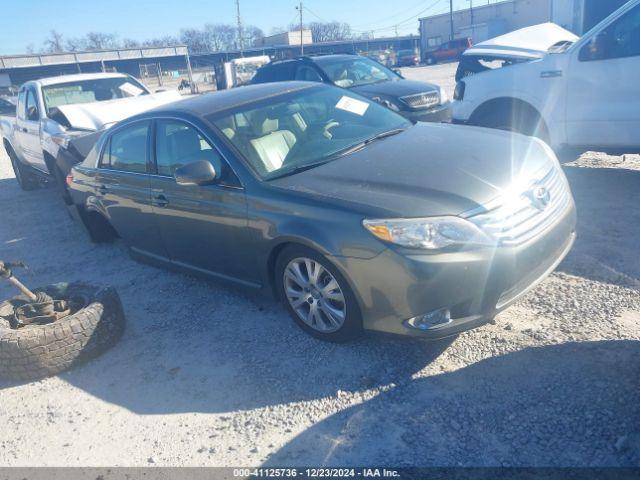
(432, 233)
(390, 105)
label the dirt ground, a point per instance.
(210, 375)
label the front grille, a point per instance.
(515, 221)
(422, 100)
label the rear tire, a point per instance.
(97, 227)
(327, 329)
(61, 183)
(25, 178)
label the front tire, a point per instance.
(317, 296)
(515, 118)
(25, 178)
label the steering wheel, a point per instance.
(326, 130)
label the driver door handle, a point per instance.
(160, 201)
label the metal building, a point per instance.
(487, 21)
(139, 62)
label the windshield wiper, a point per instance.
(359, 146)
(341, 153)
(298, 169)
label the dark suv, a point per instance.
(416, 101)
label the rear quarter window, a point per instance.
(275, 73)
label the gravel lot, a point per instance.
(210, 375)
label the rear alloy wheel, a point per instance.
(317, 296)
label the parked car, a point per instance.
(544, 81)
(407, 58)
(51, 111)
(448, 51)
(355, 216)
(417, 101)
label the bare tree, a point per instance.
(54, 43)
(252, 35)
(130, 43)
(75, 44)
(165, 41)
(194, 39)
(100, 41)
(220, 37)
(330, 31)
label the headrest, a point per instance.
(261, 124)
(185, 142)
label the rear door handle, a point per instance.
(160, 201)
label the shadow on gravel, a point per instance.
(608, 244)
(190, 345)
(575, 404)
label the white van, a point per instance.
(546, 82)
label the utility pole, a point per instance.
(473, 29)
(299, 8)
(451, 19)
(239, 19)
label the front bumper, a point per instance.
(437, 114)
(474, 285)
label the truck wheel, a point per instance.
(95, 324)
(316, 295)
(25, 178)
(516, 119)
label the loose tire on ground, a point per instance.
(37, 351)
(352, 326)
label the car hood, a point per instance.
(530, 42)
(97, 115)
(428, 170)
(394, 88)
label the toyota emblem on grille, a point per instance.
(540, 197)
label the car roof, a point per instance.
(313, 58)
(79, 77)
(214, 102)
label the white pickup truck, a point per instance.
(51, 112)
(544, 81)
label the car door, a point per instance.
(28, 131)
(123, 187)
(603, 92)
(203, 227)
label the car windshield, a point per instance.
(88, 91)
(285, 134)
(351, 72)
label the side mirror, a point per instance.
(200, 172)
(398, 72)
(596, 49)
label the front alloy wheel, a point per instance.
(314, 295)
(317, 296)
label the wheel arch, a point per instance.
(503, 104)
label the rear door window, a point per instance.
(127, 149)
